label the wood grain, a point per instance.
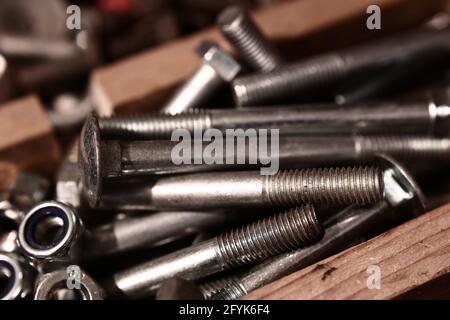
(144, 81)
(414, 260)
(26, 136)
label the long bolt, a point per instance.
(143, 231)
(129, 158)
(216, 69)
(280, 233)
(237, 26)
(419, 117)
(327, 69)
(349, 224)
(245, 189)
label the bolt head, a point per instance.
(220, 60)
(400, 186)
(89, 160)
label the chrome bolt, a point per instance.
(217, 68)
(274, 235)
(327, 69)
(406, 201)
(415, 117)
(238, 28)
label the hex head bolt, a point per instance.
(271, 236)
(217, 68)
(404, 201)
(328, 69)
(240, 30)
(430, 117)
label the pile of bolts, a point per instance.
(127, 221)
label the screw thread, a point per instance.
(211, 288)
(268, 237)
(408, 147)
(158, 126)
(234, 290)
(348, 185)
(241, 31)
(283, 81)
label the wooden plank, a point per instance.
(414, 260)
(145, 81)
(26, 136)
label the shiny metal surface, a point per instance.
(53, 286)
(51, 232)
(295, 78)
(239, 29)
(430, 117)
(349, 224)
(291, 229)
(217, 68)
(243, 189)
(16, 277)
(145, 231)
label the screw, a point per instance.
(349, 224)
(217, 68)
(211, 288)
(142, 231)
(417, 117)
(128, 158)
(330, 68)
(271, 236)
(237, 26)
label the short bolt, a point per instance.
(238, 28)
(330, 68)
(294, 228)
(427, 117)
(217, 68)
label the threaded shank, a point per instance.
(210, 288)
(357, 185)
(234, 290)
(405, 147)
(268, 237)
(288, 80)
(158, 126)
(245, 36)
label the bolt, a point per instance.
(129, 158)
(237, 26)
(51, 234)
(179, 289)
(211, 288)
(271, 236)
(48, 286)
(16, 277)
(217, 68)
(327, 69)
(416, 117)
(149, 230)
(351, 223)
